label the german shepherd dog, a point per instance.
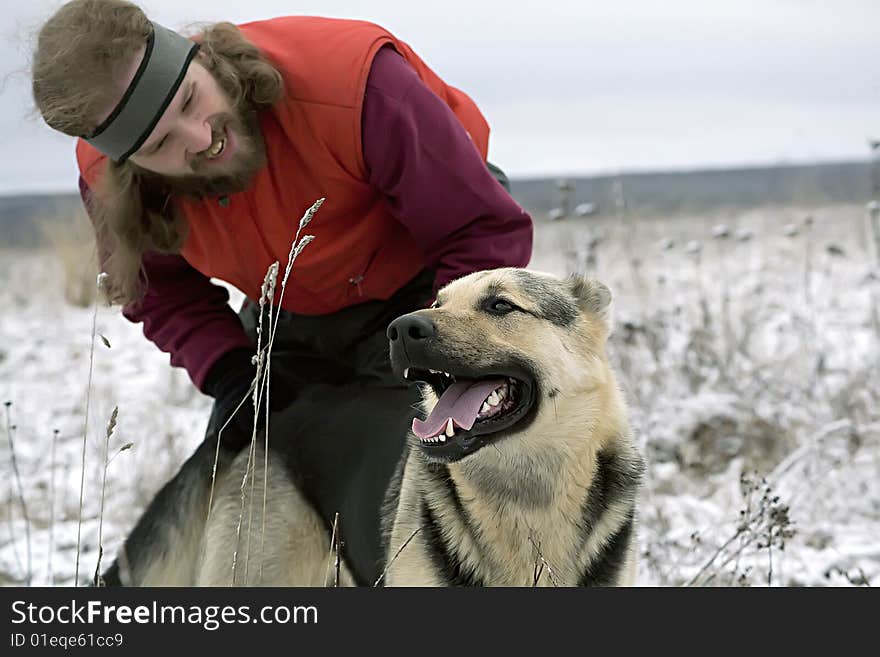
(520, 469)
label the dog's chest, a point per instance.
(522, 548)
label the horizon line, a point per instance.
(58, 190)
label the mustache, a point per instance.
(203, 181)
(220, 126)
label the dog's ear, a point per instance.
(591, 295)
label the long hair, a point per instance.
(81, 50)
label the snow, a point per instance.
(752, 358)
(747, 365)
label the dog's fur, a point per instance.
(547, 501)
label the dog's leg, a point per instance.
(292, 547)
(163, 547)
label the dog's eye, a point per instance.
(500, 306)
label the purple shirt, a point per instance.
(416, 152)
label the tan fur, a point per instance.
(291, 550)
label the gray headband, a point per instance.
(157, 79)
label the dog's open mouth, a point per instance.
(470, 413)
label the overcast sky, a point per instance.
(569, 87)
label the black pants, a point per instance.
(344, 416)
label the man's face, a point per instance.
(200, 141)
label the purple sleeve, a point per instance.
(436, 183)
(183, 312)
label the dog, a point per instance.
(520, 469)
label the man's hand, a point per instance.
(230, 383)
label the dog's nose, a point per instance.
(411, 328)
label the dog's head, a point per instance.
(495, 349)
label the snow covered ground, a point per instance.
(746, 344)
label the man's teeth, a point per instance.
(216, 148)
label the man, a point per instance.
(197, 159)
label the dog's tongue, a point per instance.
(461, 401)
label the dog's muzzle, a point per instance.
(411, 333)
(474, 405)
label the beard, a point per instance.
(219, 180)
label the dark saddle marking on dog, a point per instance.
(616, 480)
(604, 569)
(444, 559)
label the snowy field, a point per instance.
(746, 343)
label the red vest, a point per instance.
(314, 150)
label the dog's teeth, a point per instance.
(450, 429)
(442, 438)
(406, 373)
(485, 407)
(493, 399)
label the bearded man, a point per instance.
(197, 158)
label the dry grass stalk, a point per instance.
(396, 554)
(111, 425)
(82, 482)
(20, 491)
(540, 559)
(334, 551)
(259, 388)
(52, 464)
(261, 381)
(766, 526)
(265, 389)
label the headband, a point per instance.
(157, 79)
